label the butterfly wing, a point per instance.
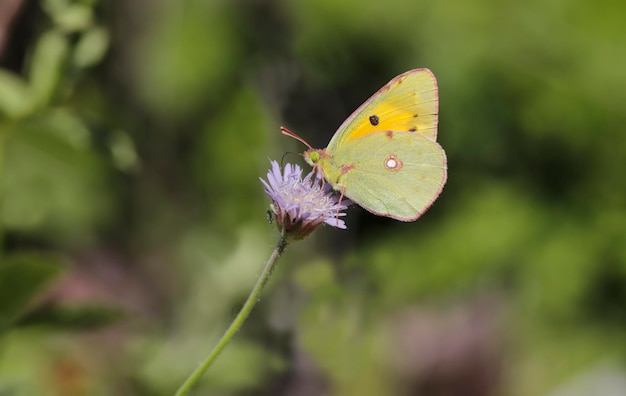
(409, 103)
(392, 173)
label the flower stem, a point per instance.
(241, 317)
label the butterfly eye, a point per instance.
(374, 120)
(315, 156)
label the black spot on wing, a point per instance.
(413, 129)
(374, 120)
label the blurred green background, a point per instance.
(132, 220)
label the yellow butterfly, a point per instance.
(384, 157)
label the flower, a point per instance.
(300, 205)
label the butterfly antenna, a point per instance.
(282, 159)
(287, 132)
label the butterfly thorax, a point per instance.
(324, 163)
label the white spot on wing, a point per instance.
(393, 163)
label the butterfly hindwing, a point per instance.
(392, 173)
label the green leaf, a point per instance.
(15, 95)
(91, 47)
(69, 16)
(74, 18)
(22, 277)
(86, 316)
(54, 184)
(46, 65)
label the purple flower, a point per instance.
(300, 205)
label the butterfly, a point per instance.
(385, 157)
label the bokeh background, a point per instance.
(133, 224)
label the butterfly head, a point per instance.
(312, 156)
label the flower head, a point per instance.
(300, 205)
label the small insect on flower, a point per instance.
(300, 205)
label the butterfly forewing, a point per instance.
(407, 103)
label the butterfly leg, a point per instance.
(320, 174)
(343, 193)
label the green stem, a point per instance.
(241, 317)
